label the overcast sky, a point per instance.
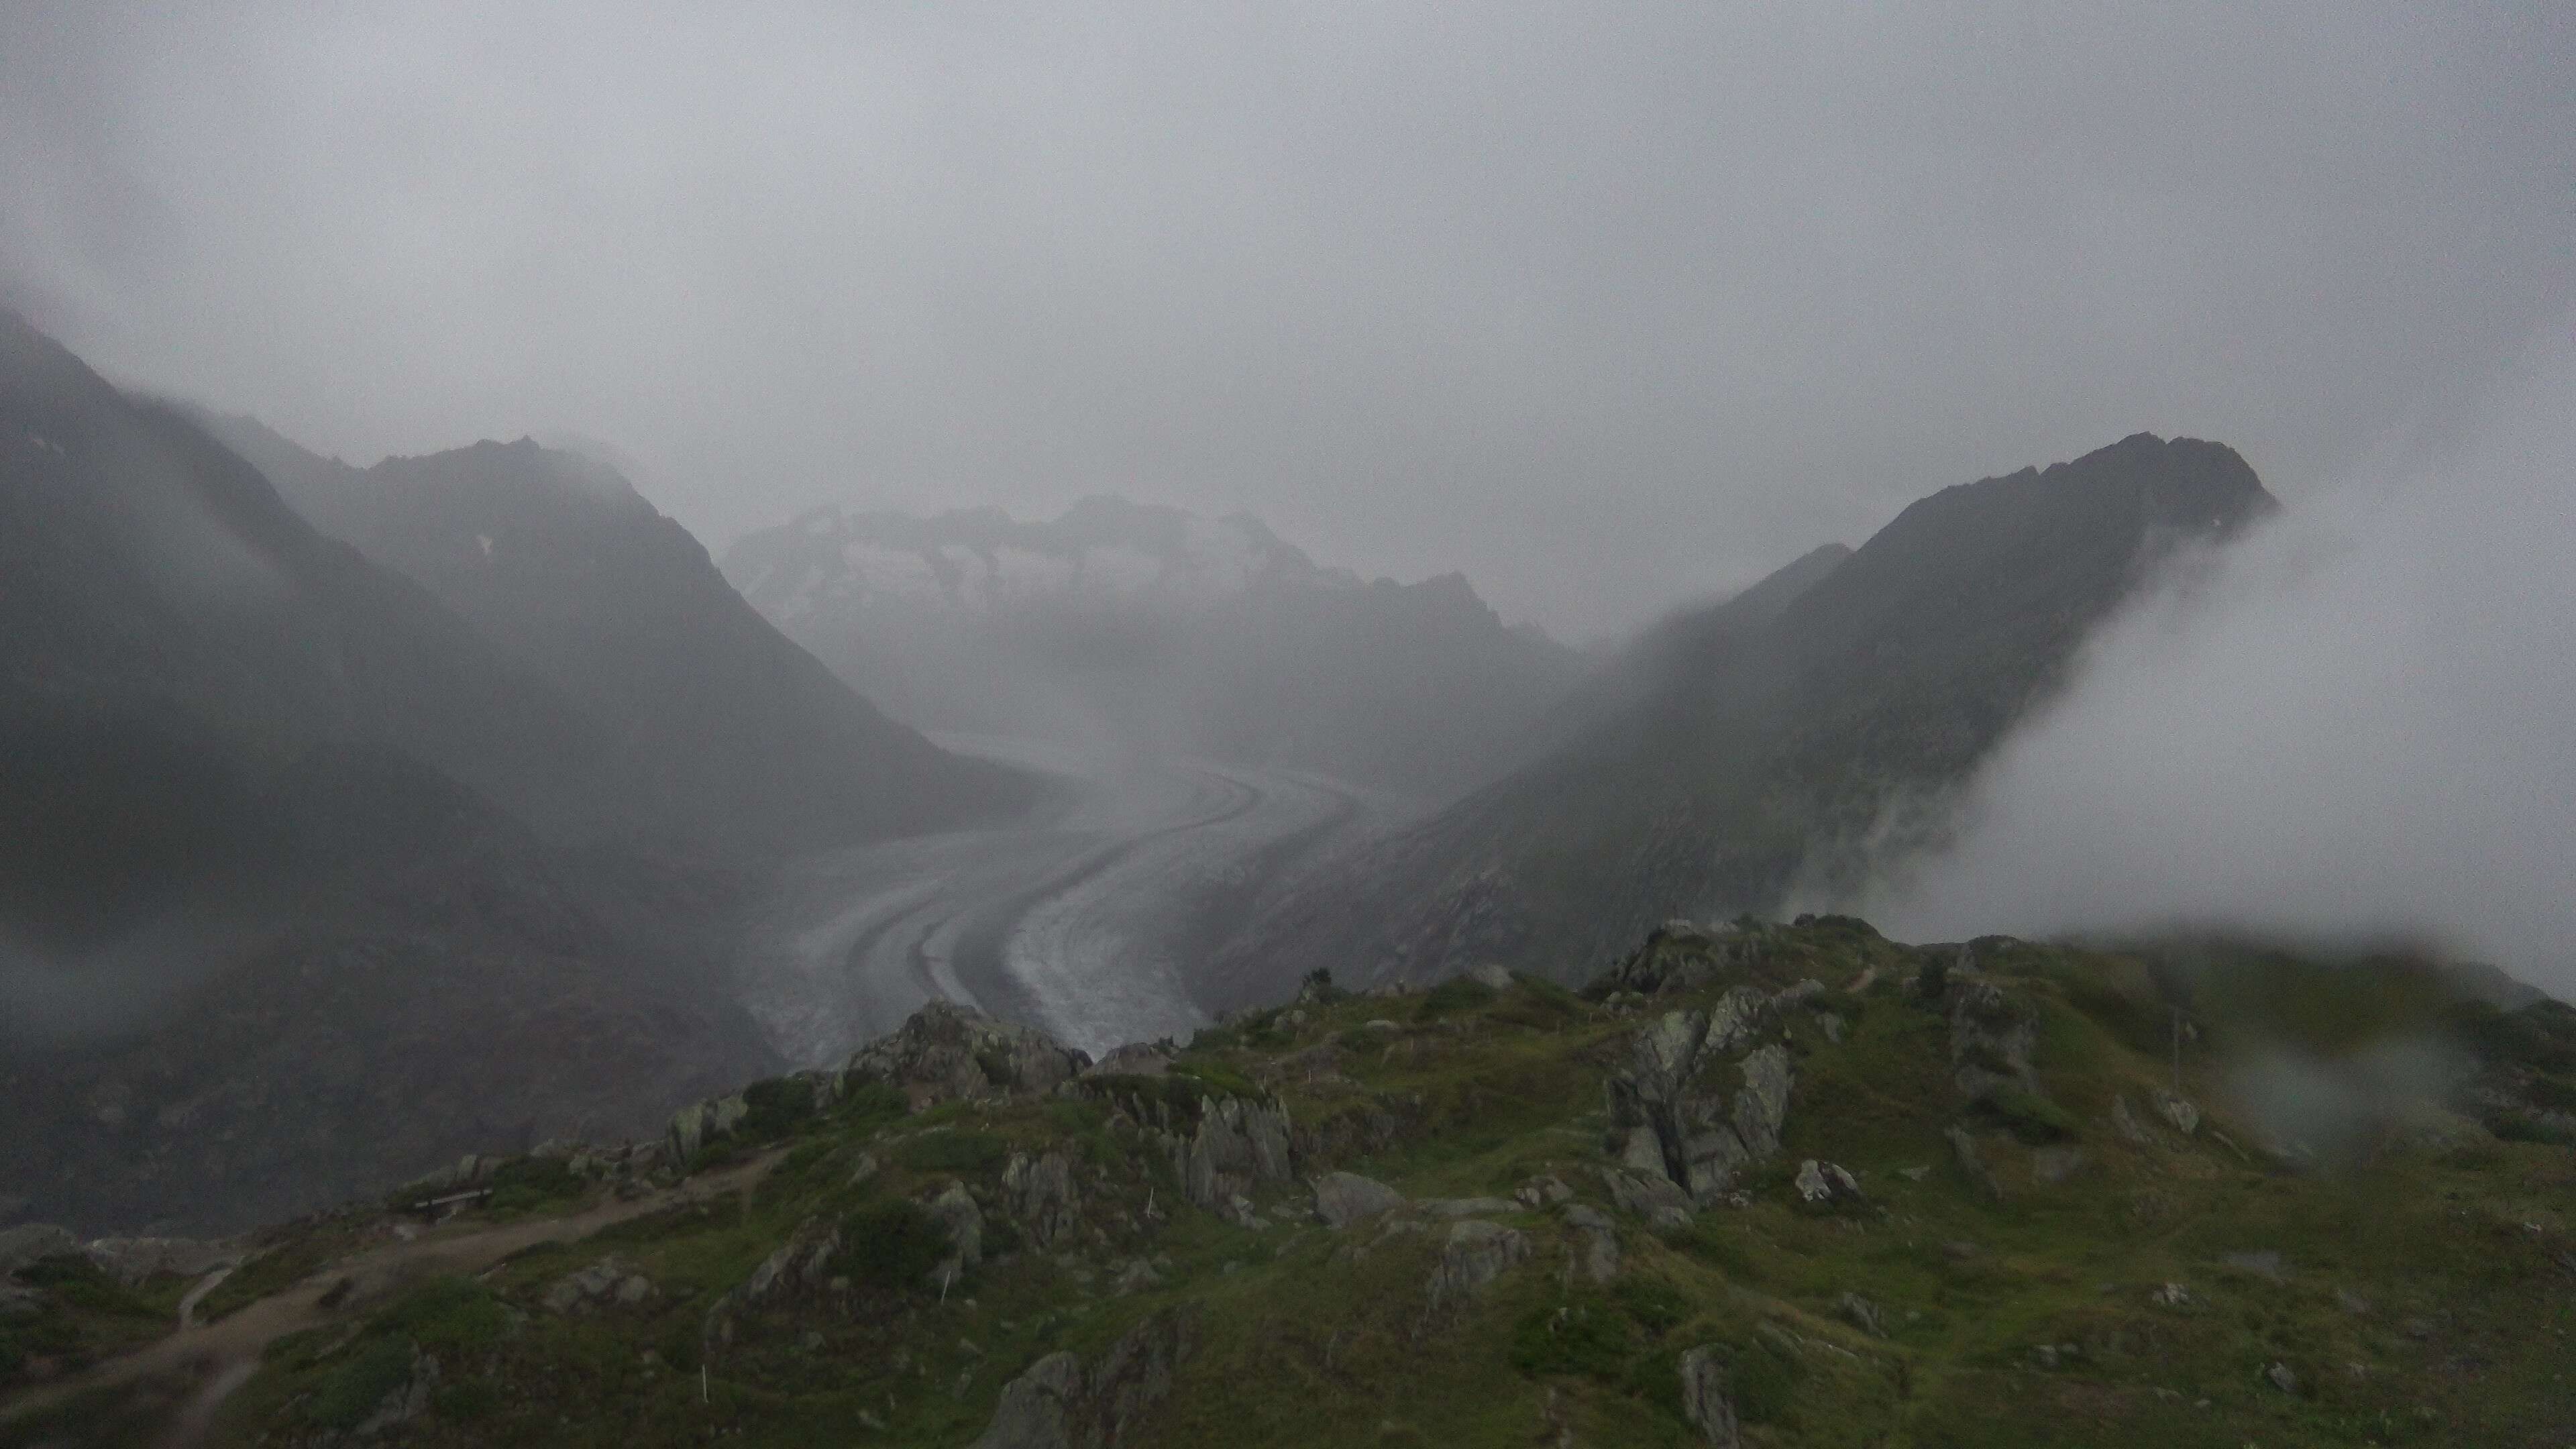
(1605, 306)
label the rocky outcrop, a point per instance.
(132, 1260)
(405, 1403)
(2181, 1113)
(955, 1209)
(1038, 1193)
(1822, 1184)
(1135, 1059)
(1680, 956)
(1861, 1313)
(1694, 1101)
(1057, 1403)
(799, 1264)
(1651, 1196)
(1992, 1037)
(29, 1242)
(610, 1280)
(1344, 1198)
(1476, 1253)
(1705, 1400)
(946, 1051)
(1237, 1145)
(699, 1123)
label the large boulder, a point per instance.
(1992, 1037)
(1059, 1403)
(955, 1209)
(946, 1051)
(1705, 1401)
(1476, 1253)
(699, 1123)
(1344, 1198)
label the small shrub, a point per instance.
(1658, 1304)
(1215, 1080)
(1764, 1383)
(774, 1108)
(353, 1390)
(467, 1401)
(959, 1152)
(447, 1314)
(1458, 993)
(872, 1100)
(2031, 1117)
(2511, 1126)
(1317, 987)
(1587, 1338)
(892, 1245)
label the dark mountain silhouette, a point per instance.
(1747, 750)
(309, 883)
(731, 733)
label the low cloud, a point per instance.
(2359, 721)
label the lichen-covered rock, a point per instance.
(946, 1051)
(1475, 1254)
(2175, 1109)
(699, 1123)
(1344, 1198)
(1821, 1184)
(1706, 1404)
(1056, 1403)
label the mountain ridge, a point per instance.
(1763, 757)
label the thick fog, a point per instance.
(2361, 719)
(1605, 308)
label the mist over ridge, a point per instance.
(2355, 721)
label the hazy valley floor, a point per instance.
(1076, 919)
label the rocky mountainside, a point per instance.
(1150, 628)
(732, 735)
(1757, 1185)
(1765, 745)
(287, 904)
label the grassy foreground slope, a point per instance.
(1979, 1214)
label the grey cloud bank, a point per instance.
(1605, 310)
(2362, 719)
